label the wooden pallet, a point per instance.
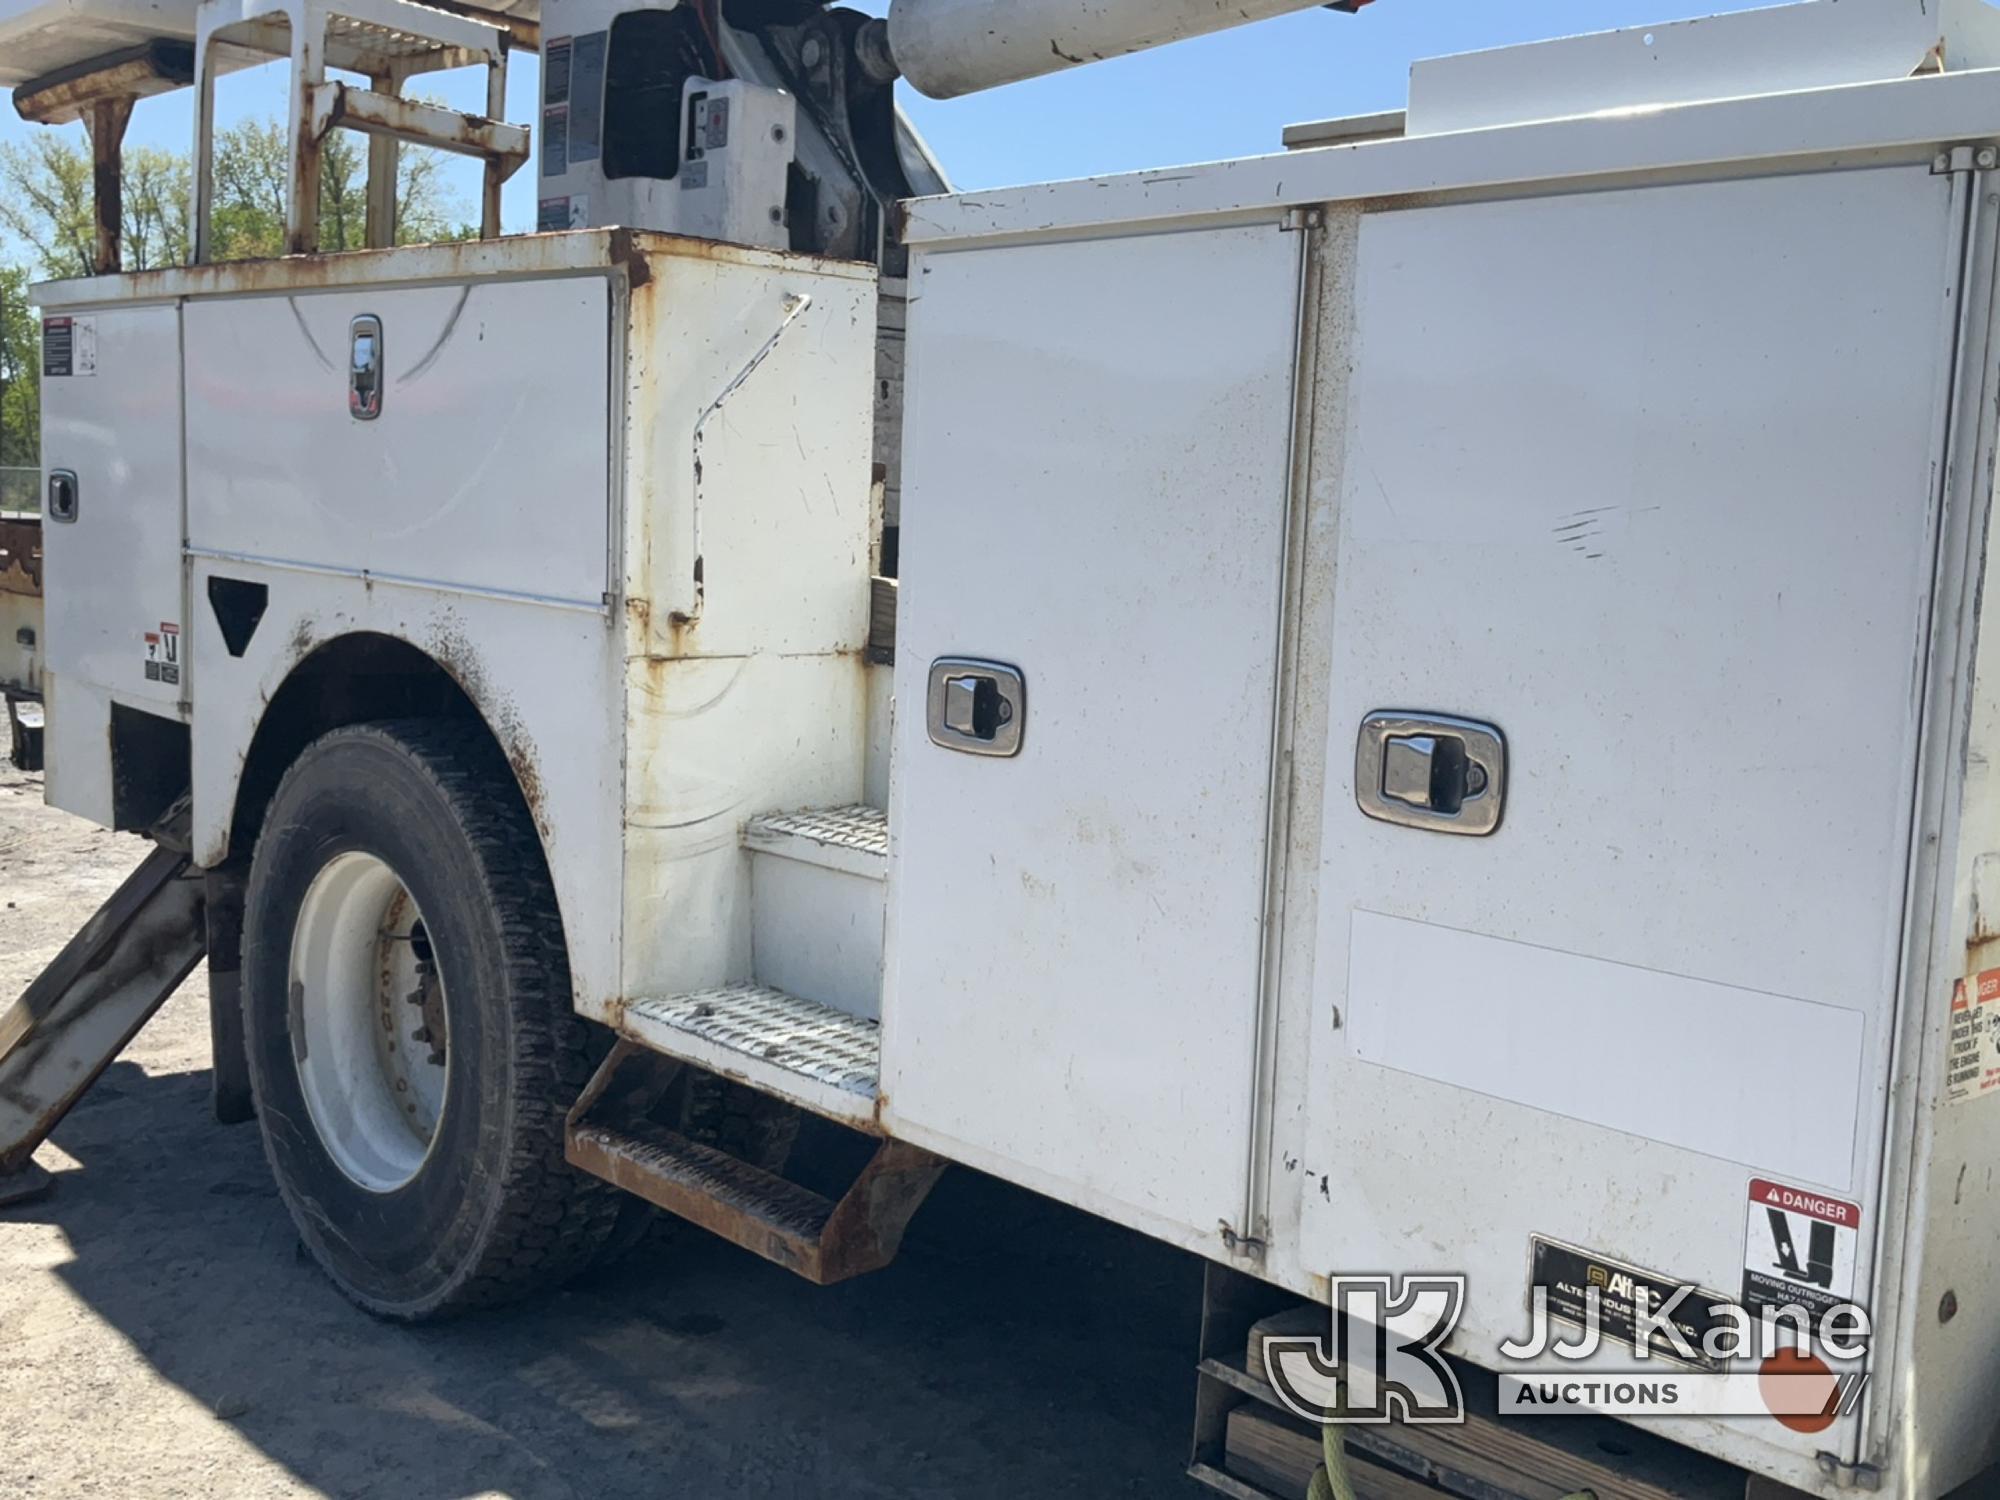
(1249, 1447)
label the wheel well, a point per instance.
(350, 680)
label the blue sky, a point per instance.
(1220, 96)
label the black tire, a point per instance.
(494, 1211)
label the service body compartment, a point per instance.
(1104, 482)
(616, 486)
(113, 518)
(1664, 514)
(1674, 485)
(486, 466)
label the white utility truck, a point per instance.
(1423, 702)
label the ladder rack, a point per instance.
(386, 41)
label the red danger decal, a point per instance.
(1803, 1201)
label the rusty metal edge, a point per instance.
(607, 1153)
(862, 1232)
(567, 252)
(21, 556)
(868, 1224)
(158, 66)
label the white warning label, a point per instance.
(1972, 1055)
(1799, 1248)
(163, 654)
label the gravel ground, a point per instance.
(161, 1335)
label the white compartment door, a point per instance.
(486, 467)
(111, 440)
(1646, 479)
(1094, 492)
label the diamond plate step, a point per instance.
(611, 1134)
(853, 838)
(823, 1059)
(758, 1210)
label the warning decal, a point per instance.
(1799, 1249)
(1972, 1055)
(562, 213)
(555, 70)
(586, 95)
(69, 346)
(555, 140)
(163, 654)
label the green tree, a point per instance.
(252, 164)
(45, 199)
(46, 202)
(20, 391)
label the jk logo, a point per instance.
(1382, 1360)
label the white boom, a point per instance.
(946, 48)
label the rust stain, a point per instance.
(453, 650)
(639, 253)
(21, 556)
(626, 254)
(157, 69)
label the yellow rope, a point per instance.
(1331, 1480)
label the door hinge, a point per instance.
(1849, 1476)
(1245, 1245)
(1301, 218)
(1965, 159)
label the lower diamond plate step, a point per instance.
(816, 1056)
(776, 1219)
(611, 1134)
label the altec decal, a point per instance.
(1613, 1298)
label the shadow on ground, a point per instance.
(1016, 1349)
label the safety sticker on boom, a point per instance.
(1799, 1249)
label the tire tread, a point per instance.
(549, 1219)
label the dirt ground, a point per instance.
(162, 1336)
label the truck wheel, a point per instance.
(407, 1016)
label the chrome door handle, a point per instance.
(65, 497)
(976, 706)
(364, 368)
(1431, 771)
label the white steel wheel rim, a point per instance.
(365, 995)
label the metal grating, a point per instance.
(378, 40)
(716, 1190)
(858, 827)
(800, 1036)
